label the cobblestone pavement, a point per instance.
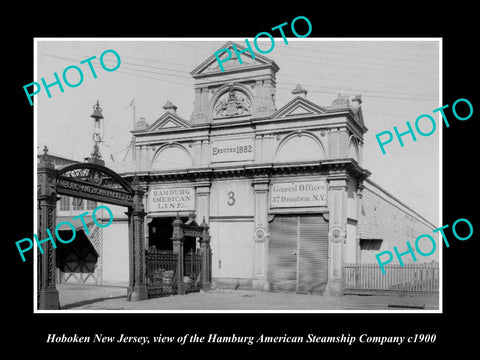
(84, 297)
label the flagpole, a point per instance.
(133, 128)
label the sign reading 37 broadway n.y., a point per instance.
(298, 194)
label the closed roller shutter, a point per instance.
(313, 258)
(282, 264)
(298, 253)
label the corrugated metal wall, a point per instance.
(382, 219)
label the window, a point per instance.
(91, 205)
(65, 203)
(77, 204)
(370, 244)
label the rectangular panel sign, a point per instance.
(298, 194)
(232, 150)
(172, 199)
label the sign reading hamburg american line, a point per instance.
(298, 194)
(170, 199)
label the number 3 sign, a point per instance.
(231, 198)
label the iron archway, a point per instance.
(91, 181)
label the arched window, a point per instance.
(300, 147)
(172, 157)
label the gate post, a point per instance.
(177, 240)
(47, 293)
(131, 255)
(137, 250)
(206, 257)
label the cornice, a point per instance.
(332, 167)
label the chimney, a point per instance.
(170, 107)
(300, 91)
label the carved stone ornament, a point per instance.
(232, 103)
(336, 234)
(341, 100)
(260, 234)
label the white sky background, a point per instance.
(398, 81)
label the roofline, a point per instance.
(270, 62)
(369, 180)
(59, 157)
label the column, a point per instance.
(337, 200)
(137, 250)
(47, 296)
(206, 257)
(261, 235)
(202, 192)
(177, 240)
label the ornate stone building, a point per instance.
(283, 189)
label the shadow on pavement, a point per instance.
(91, 301)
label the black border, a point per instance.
(457, 28)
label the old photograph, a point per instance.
(225, 175)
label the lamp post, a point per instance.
(97, 135)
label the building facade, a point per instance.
(283, 189)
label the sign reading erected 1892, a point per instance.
(298, 194)
(172, 199)
(232, 150)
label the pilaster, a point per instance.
(261, 234)
(337, 232)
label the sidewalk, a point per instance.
(84, 297)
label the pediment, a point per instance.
(211, 66)
(299, 107)
(168, 121)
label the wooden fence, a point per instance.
(415, 279)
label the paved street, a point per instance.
(84, 297)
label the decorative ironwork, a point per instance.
(94, 182)
(45, 158)
(161, 272)
(173, 272)
(193, 272)
(191, 230)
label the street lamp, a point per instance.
(97, 136)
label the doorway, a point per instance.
(298, 253)
(160, 231)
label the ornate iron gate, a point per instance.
(161, 272)
(173, 272)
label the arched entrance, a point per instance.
(91, 181)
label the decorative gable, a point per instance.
(211, 67)
(298, 106)
(168, 121)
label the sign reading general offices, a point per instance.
(232, 150)
(298, 194)
(171, 199)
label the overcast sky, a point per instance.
(398, 81)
